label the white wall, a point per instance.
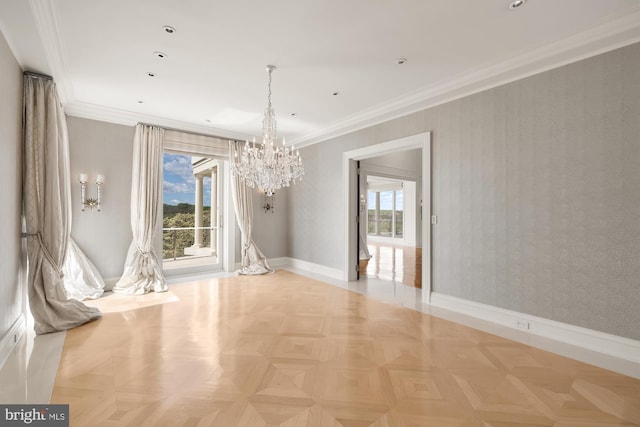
(410, 232)
(100, 147)
(12, 290)
(401, 164)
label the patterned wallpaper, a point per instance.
(536, 184)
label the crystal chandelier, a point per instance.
(268, 166)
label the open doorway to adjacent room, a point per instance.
(387, 201)
(391, 247)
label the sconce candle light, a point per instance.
(90, 202)
(269, 201)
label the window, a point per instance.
(385, 208)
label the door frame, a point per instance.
(349, 158)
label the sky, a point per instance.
(386, 200)
(179, 184)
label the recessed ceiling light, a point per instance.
(516, 4)
(208, 120)
(293, 114)
(169, 29)
(401, 61)
(150, 74)
(140, 102)
(335, 93)
(160, 55)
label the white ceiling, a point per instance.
(99, 53)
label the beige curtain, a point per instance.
(253, 261)
(59, 274)
(142, 271)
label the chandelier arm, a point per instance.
(266, 166)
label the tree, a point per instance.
(174, 241)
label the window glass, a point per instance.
(385, 218)
(385, 213)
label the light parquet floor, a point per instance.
(285, 350)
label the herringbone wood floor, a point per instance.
(285, 350)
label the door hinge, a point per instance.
(434, 219)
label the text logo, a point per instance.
(34, 415)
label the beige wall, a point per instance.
(536, 184)
(11, 288)
(100, 147)
(270, 229)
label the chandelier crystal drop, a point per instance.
(268, 166)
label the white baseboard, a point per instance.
(11, 338)
(322, 270)
(600, 342)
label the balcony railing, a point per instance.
(176, 239)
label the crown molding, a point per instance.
(130, 118)
(606, 37)
(46, 19)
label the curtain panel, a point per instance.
(253, 261)
(59, 274)
(142, 269)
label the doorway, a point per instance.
(390, 221)
(353, 202)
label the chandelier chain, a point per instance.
(270, 70)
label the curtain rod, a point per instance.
(187, 131)
(37, 75)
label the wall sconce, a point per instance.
(269, 202)
(90, 202)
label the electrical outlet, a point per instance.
(522, 324)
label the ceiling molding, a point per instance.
(46, 19)
(609, 36)
(131, 118)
